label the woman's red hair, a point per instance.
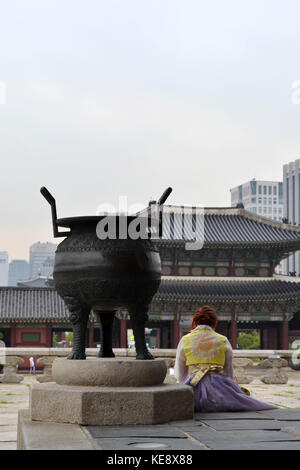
(205, 315)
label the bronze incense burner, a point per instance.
(105, 275)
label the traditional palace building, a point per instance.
(234, 272)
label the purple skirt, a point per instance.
(218, 392)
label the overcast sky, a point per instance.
(127, 97)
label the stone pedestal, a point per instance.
(170, 379)
(109, 372)
(10, 375)
(47, 362)
(110, 392)
(239, 365)
(269, 363)
(275, 376)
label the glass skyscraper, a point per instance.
(291, 190)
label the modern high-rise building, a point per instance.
(3, 268)
(291, 191)
(18, 271)
(38, 255)
(47, 267)
(264, 198)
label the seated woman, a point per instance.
(204, 361)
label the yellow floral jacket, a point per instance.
(204, 346)
(201, 351)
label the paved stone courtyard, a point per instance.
(274, 429)
(279, 429)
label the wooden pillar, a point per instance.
(49, 335)
(231, 267)
(124, 333)
(91, 336)
(13, 336)
(284, 335)
(158, 338)
(164, 337)
(272, 338)
(176, 334)
(264, 337)
(174, 271)
(233, 334)
(175, 263)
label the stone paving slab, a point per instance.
(135, 431)
(210, 437)
(184, 423)
(155, 443)
(283, 415)
(7, 418)
(8, 427)
(8, 436)
(8, 445)
(244, 424)
(290, 445)
(232, 415)
(292, 430)
(33, 435)
(11, 411)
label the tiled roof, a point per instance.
(227, 226)
(217, 289)
(44, 304)
(31, 304)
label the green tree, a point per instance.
(250, 340)
(54, 339)
(69, 337)
(1, 335)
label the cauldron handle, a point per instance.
(160, 202)
(50, 199)
(164, 196)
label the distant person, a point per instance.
(204, 361)
(32, 365)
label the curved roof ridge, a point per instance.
(228, 210)
(217, 278)
(250, 215)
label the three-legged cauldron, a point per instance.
(104, 275)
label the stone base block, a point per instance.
(34, 435)
(111, 406)
(275, 379)
(44, 378)
(11, 378)
(10, 375)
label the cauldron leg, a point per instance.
(139, 316)
(79, 318)
(107, 321)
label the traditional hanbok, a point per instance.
(204, 361)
